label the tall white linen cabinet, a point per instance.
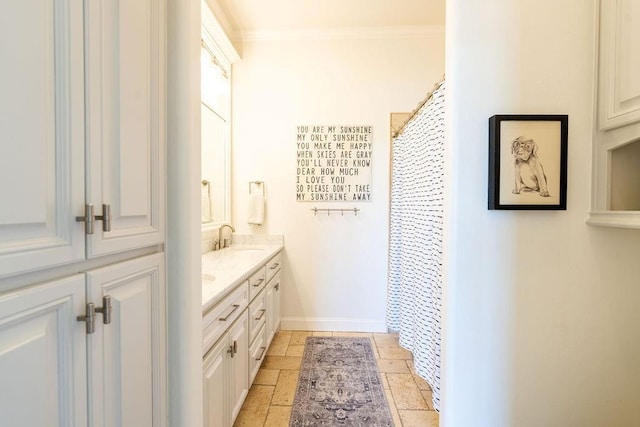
(82, 213)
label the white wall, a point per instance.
(542, 318)
(336, 266)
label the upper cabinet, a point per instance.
(82, 123)
(42, 131)
(616, 166)
(619, 61)
(125, 81)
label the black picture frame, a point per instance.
(528, 161)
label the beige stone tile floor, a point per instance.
(269, 401)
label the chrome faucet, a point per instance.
(223, 243)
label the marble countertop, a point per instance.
(224, 270)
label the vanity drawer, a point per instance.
(216, 321)
(273, 266)
(256, 283)
(257, 353)
(257, 315)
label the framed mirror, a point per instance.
(216, 56)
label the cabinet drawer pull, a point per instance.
(258, 283)
(89, 218)
(235, 347)
(261, 353)
(224, 319)
(106, 309)
(277, 286)
(261, 314)
(274, 266)
(105, 217)
(89, 318)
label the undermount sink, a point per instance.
(209, 277)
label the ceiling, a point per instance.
(279, 15)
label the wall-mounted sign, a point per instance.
(333, 163)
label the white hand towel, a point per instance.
(256, 209)
(205, 205)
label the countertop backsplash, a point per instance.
(209, 236)
(257, 239)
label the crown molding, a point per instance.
(211, 26)
(356, 33)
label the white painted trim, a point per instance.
(211, 25)
(331, 324)
(361, 33)
(622, 219)
(184, 269)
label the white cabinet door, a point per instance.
(42, 134)
(271, 321)
(216, 384)
(126, 121)
(273, 308)
(43, 355)
(127, 376)
(239, 341)
(619, 64)
(226, 375)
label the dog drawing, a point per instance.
(529, 173)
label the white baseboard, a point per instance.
(328, 324)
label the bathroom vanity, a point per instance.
(240, 315)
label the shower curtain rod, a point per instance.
(420, 105)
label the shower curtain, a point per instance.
(415, 254)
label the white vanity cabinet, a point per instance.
(236, 334)
(225, 375)
(59, 371)
(215, 371)
(239, 364)
(82, 123)
(226, 363)
(257, 340)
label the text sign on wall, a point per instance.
(333, 163)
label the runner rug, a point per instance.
(339, 385)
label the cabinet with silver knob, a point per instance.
(82, 213)
(225, 374)
(82, 167)
(226, 330)
(86, 348)
(236, 340)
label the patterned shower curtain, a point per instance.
(415, 256)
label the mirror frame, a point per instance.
(216, 39)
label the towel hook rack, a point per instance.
(341, 210)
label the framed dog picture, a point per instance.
(528, 162)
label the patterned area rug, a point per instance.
(339, 385)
